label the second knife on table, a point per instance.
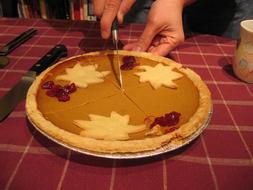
(13, 44)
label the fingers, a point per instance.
(166, 44)
(111, 8)
(161, 45)
(145, 39)
(108, 10)
(162, 50)
(98, 7)
(125, 6)
(130, 46)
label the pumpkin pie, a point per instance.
(79, 102)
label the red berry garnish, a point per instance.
(56, 88)
(169, 119)
(129, 63)
(58, 91)
(172, 118)
(48, 85)
(70, 88)
(129, 59)
(63, 97)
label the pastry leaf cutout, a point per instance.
(159, 75)
(82, 76)
(114, 127)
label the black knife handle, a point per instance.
(115, 24)
(50, 58)
(114, 31)
(17, 41)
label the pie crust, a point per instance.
(147, 143)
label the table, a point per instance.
(221, 158)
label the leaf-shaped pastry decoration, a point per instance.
(115, 127)
(82, 76)
(159, 75)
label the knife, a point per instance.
(9, 101)
(13, 44)
(115, 38)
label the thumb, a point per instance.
(125, 6)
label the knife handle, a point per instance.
(50, 58)
(17, 41)
(115, 24)
(114, 30)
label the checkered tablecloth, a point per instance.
(221, 158)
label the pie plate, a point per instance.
(134, 127)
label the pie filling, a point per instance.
(138, 108)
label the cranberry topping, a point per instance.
(170, 129)
(70, 88)
(58, 91)
(129, 63)
(169, 119)
(64, 97)
(48, 85)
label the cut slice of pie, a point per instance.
(79, 102)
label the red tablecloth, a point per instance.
(221, 158)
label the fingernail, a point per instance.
(105, 34)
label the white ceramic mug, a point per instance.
(243, 60)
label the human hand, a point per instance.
(107, 10)
(164, 28)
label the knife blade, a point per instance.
(9, 101)
(115, 38)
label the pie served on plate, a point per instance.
(79, 102)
